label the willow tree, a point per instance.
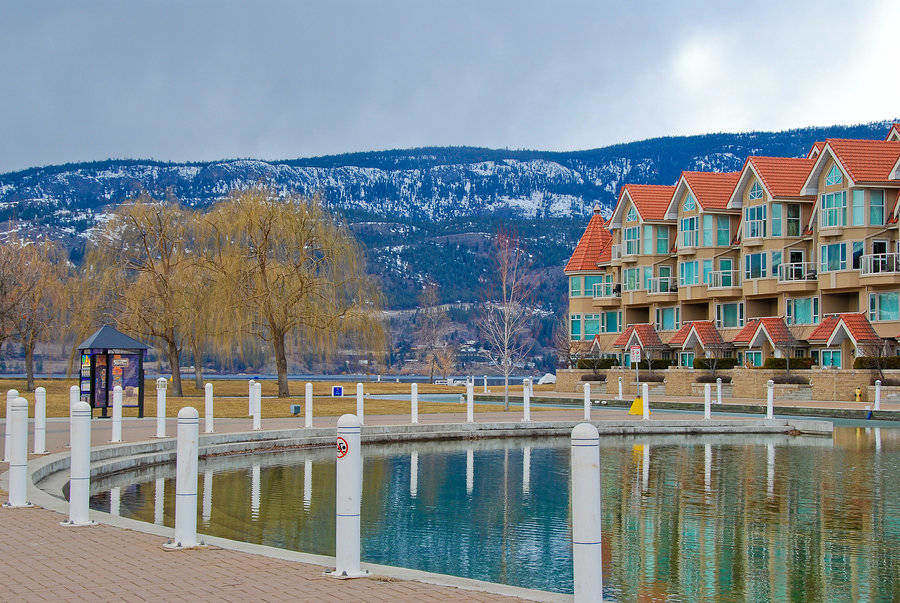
(289, 272)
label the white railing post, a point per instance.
(40, 420)
(485, 384)
(587, 558)
(17, 434)
(587, 401)
(11, 395)
(620, 388)
(208, 410)
(645, 400)
(877, 394)
(526, 402)
(347, 503)
(161, 407)
(74, 398)
(707, 395)
(718, 390)
(308, 406)
(770, 395)
(80, 466)
(116, 426)
(360, 404)
(186, 474)
(257, 406)
(470, 403)
(414, 402)
(250, 393)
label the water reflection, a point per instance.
(727, 517)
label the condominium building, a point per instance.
(794, 256)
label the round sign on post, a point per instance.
(342, 447)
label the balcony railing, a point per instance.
(797, 272)
(722, 279)
(880, 263)
(662, 284)
(754, 229)
(607, 290)
(616, 252)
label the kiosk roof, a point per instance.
(107, 337)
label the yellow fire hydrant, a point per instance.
(858, 394)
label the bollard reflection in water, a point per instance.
(470, 470)
(526, 470)
(307, 484)
(115, 498)
(254, 491)
(413, 473)
(207, 496)
(159, 501)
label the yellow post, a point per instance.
(858, 394)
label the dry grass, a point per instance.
(231, 398)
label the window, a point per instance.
(592, 284)
(668, 319)
(723, 231)
(884, 306)
(707, 268)
(576, 327)
(858, 250)
(610, 321)
(632, 215)
(574, 286)
(689, 203)
(834, 209)
(833, 257)
(687, 273)
(632, 240)
(755, 265)
(776, 219)
(756, 192)
(727, 278)
(631, 279)
(686, 359)
(708, 230)
(776, 262)
(793, 220)
(648, 239)
(858, 212)
(591, 326)
(662, 239)
(834, 176)
(689, 232)
(831, 358)
(803, 311)
(648, 274)
(753, 357)
(730, 315)
(876, 208)
(755, 221)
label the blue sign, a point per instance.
(337, 391)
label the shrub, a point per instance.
(594, 377)
(596, 364)
(712, 379)
(790, 379)
(651, 378)
(871, 362)
(659, 364)
(780, 363)
(886, 381)
(722, 364)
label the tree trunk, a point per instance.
(506, 390)
(431, 376)
(29, 365)
(280, 364)
(173, 354)
(198, 366)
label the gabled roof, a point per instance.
(109, 338)
(894, 132)
(650, 200)
(864, 161)
(589, 251)
(853, 324)
(712, 190)
(782, 177)
(773, 327)
(680, 335)
(704, 332)
(815, 149)
(644, 333)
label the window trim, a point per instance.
(834, 176)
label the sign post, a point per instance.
(636, 359)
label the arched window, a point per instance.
(689, 203)
(756, 192)
(834, 176)
(632, 215)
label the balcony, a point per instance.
(616, 252)
(754, 232)
(832, 221)
(880, 268)
(798, 276)
(724, 283)
(607, 294)
(661, 285)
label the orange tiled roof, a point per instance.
(856, 324)
(783, 176)
(712, 189)
(651, 200)
(775, 327)
(680, 335)
(866, 160)
(590, 249)
(706, 332)
(817, 146)
(895, 127)
(646, 334)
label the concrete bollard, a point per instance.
(413, 474)
(161, 407)
(620, 388)
(348, 499)
(257, 406)
(526, 470)
(706, 401)
(116, 423)
(40, 421)
(208, 410)
(250, 392)
(360, 404)
(80, 466)
(485, 384)
(186, 473)
(74, 398)
(470, 403)
(718, 390)
(308, 406)
(414, 403)
(587, 558)
(11, 395)
(770, 395)
(877, 395)
(587, 401)
(470, 470)
(707, 466)
(307, 484)
(645, 400)
(526, 402)
(17, 435)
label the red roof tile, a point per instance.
(651, 200)
(774, 326)
(824, 330)
(595, 240)
(712, 189)
(856, 324)
(895, 127)
(680, 335)
(706, 332)
(646, 335)
(866, 160)
(817, 146)
(783, 176)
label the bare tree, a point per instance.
(878, 351)
(431, 326)
(445, 360)
(505, 319)
(562, 343)
(716, 351)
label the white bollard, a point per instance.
(485, 384)
(707, 466)
(308, 406)
(186, 473)
(587, 401)
(17, 435)
(207, 496)
(208, 410)
(11, 395)
(360, 404)
(645, 400)
(74, 398)
(413, 474)
(470, 470)
(348, 499)
(586, 548)
(161, 407)
(526, 402)
(40, 420)
(257, 406)
(80, 466)
(770, 395)
(307, 484)
(877, 395)
(620, 388)
(718, 390)
(414, 403)
(526, 470)
(116, 425)
(250, 392)
(707, 394)
(470, 403)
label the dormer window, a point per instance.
(632, 215)
(689, 203)
(834, 176)
(756, 192)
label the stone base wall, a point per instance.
(679, 381)
(831, 384)
(697, 390)
(569, 380)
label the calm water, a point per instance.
(749, 518)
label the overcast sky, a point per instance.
(84, 80)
